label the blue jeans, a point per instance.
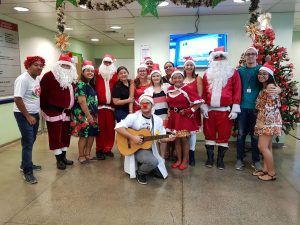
(120, 115)
(246, 124)
(28, 133)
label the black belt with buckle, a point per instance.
(57, 109)
(175, 109)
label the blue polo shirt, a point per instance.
(250, 86)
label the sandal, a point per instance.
(183, 165)
(176, 164)
(267, 177)
(259, 173)
(82, 160)
(89, 157)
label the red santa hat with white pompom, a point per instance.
(87, 65)
(188, 59)
(108, 58)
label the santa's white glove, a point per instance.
(232, 115)
(204, 110)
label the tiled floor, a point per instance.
(101, 193)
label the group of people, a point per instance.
(87, 106)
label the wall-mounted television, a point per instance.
(197, 46)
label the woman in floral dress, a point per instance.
(268, 122)
(84, 113)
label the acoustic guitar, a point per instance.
(126, 147)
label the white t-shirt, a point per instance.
(29, 90)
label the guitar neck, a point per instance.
(156, 137)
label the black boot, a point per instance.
(100, 155)
(65, 160)
(59, 162)
(210, 156)
(221, 153)
(192, 158)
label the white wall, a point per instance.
(155, 33)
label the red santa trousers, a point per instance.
(105, 140)
(59, 134)
(217, 128)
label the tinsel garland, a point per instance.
(197, 3)
(254, 11)
(105, 6)
(61, 39)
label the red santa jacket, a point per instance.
(104, 90)
(54, 99)
(219, 96)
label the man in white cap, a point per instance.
(247, 118)
(57, 98)
(222, 95)
(105, 81)
(147, 160)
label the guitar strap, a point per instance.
(152, 128)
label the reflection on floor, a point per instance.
(101, 193)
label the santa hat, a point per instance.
(65, 57)
(142, 65)
(108, 58)
(176, 71)
(155, 69)
(251, 47)
(87, 65)
(31, 59)
(218, 52)
(147, 97)
(269, 67)
(147, 59)
(188, 59)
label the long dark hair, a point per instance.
(92, 82)
(194, 75)
(270, 80)
(122, 68)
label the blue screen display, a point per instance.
(196, 46)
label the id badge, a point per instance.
(248, 90)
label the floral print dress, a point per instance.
(79, 124)
(268, 121)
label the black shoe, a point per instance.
(65, 160)
(156, 173)
(34, 167)
(109, 154)
(29, 178)
(60, 163)
(192, 158)
(141, 178)
(210, 156)
(221, 153)
(99, 155)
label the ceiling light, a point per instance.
(69, 28)
(115, 27)
(130, 39)
(21, 9)
(240, 1)
(95, 39)
(165, 3)
(82, 6)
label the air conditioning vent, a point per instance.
(110, 32)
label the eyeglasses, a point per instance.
(250, 54)
(219, 57)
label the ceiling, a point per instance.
(88, 24)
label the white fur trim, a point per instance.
(147, 60)
(216, 92)
(57, 151)
(87, 67)
(107, 59)
(147, 97)
(209, 142)
(252, 49)
(107, 91)
(187, 61)
(155, 71)
(267, 69)
(222, 144)
(177, 71)
(142, 65)
(236, 108)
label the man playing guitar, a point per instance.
(147, 160)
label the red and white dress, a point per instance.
(106, 118)
(138, 91)
(179, 101)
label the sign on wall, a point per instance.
(10, 67)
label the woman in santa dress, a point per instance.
(183, 102)
(195, 83)
(141, 83)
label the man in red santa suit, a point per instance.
(57, 98)
(105, 81)
(222, 95)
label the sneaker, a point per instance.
(257, 166)
(29, 178)
(34, 167)
(239, 165)
(141, 178)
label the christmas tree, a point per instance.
(263, 37)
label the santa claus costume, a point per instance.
(222, 95)
(57, 98)
(105, 80)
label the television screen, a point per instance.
(197, 46)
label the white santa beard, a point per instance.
(107, 71)
(64, 77)
(219, 70)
